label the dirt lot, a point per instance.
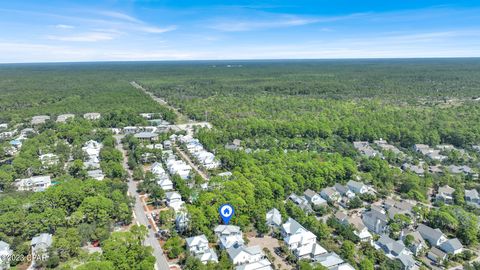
(270, 243)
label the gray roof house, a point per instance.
(397, 249)
(357, 187)
(181, 221)
(390, 246)
(434, 236)
(437, 255)
(472, 197)
(375, 221)
(301, 202)
(445, 194)
(5, 253)
(314, 198)
(330, 194)
(452, 246)
(274, 218)
(62, 118)
(40, 245)
(198, 246)
(39, 119)
(344, 190)
(419, 244)
(229, 236)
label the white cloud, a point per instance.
(120, 16)
(64, 26)
(154, 29)
(84, 37)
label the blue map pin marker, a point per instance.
(226, 212)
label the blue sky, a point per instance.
(126, 30)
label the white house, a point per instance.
(445, 194)
(198, 247)
(245, 256)
(274, 218)
(5, 253)
(174, 200)
(96, 174)
(229, 236)
(330, 194)
(92, 116)
(300, 241)
(375, 221)
(314, 198)
(452, 246)
(357, 187)
(434, 236)
(40, 245)
(165, 183)
(39, 119)
(34, 183)
(62, 118)
(360, 229)
(49, 159)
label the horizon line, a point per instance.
(242, 60)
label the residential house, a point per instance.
(198, 247)
(130, 130)
(5, 254)
(445, 194)
(146, 136)
(3, 126)
(179, 167)
(365, 149)
(248, 258)
(174, 200)
(395, 207)
(341, 217)
(357, 187)
(314, 198)
(49, 160)
(416, 169)
(375, 221)
(229, 236)
(360, 229)
(472, 197)
(452, 246)
(434, 236)
(387, 147)
(39, 119)
(464, 169)
(300, 241)
(165, 183)
(34, 183)
(345, 266)
(62, 118)
(437, 256)
(96, 174)
(40, 245)
(329, 260)
(344, 191)
(92, 116)
(301, 202)
(274, 218)
(181, 221)
(396, 249)
(157, 169)
(330, 194)
(419, 245)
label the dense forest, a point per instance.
(296, 121)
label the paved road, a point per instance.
(187, 159)
(180, 117)
(140, 214)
